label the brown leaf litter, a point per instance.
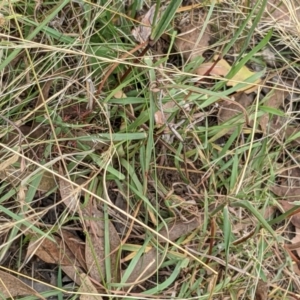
(11, 286)
(289, 185)
(261, 292)
(59, 252)
(149, 262)
(193, 41)
(95, 244)
(68, 192)
(87, 289)
(288, 188)
(94, 222)
(142, 32)
(220, 68)
(229, 109)
(275, 99)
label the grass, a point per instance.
(181, 208)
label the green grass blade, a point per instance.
(165, 19)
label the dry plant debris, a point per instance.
(193, 40)
(238, 105)
(88, 289)
(11, 286)
(261, 292)
(285, 15)
(142, 32)
(203, 209)
(222, 68)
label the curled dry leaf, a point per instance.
(190, 42)
(11, 286)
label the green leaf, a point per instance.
(227, 233)
(272, 111)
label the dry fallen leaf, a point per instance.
(161, 116)
(142, 32)
(179, 228)
(283, 131)
(261, 292)
(289, 185)
(146, 266)
(222, 68)
(174, 231)
(9, 161)
(52, 252)
(150, 261)
(230, 109)
(73, 273)
(120, 95)
(75, 245)
(11, 286)
(275, 101)
(287, 205)
(288, 188)
(87, 287)
(47, 183)
(295, 241)
(2, 20)
(190, 43)
(94, 249)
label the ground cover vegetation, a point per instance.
(149, 149)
